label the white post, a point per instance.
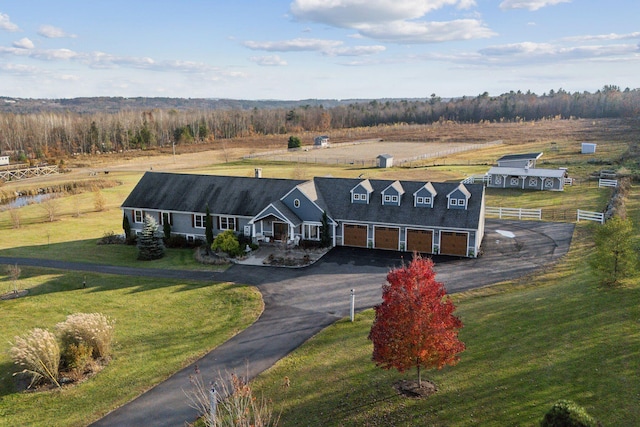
(213, 403)
(353, 303)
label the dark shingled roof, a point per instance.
(526, 156)
(191, 193)
(247, 197)
(336, 194)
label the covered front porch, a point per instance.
(276, 223)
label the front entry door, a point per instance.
(280, 231)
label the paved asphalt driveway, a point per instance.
(301, 302)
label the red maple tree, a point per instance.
(414, 325)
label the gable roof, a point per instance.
(335, 192)
(429, 187)
(535, 172)
(526, 156)
(396, 185)
(230, 195)
(280, 211)
(242, 196)
(461, 187)
(366, 184)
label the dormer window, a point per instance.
(390, 199)
(459, 197)
(361, 192)
(391, 195)
(424, 196)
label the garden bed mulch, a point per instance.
(14, 294)
(410, 388)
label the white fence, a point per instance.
(476, 178)
(591, 216)
(514, 213)
(18, 174)
(607, 183)
(445, 153)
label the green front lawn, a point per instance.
(556, 335)
(161, 326)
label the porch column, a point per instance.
(504, 181)
(523, 180)
(334, 234)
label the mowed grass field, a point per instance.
(553, 335)
(529, 342)
(160, 327)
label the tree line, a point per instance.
(48, 134)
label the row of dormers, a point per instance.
(424, 197)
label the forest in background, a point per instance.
(103, 125)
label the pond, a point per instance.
(24, 201)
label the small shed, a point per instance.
(384, 160)
(321, 141)
(588, 148)
(4, 160)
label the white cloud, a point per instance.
(51, 32)
(54, 54)
(294, 45)
(270, 60)
(18, 69)
(6, 24)
(356, 51)
(528, 52)
(530, 4)
(23, 43)
(427, 32)
(397, 21)
(102, 60)
(600, 37)
(326, 47)
(349, 13)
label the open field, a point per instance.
(555, 335)
(79, 225)
(364, 153)
(161, 326)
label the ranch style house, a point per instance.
(426, 217)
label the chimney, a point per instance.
(258, 172)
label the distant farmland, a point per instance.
(364, 153)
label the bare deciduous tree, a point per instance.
(14, 214)
(50, 205)
(14, 274)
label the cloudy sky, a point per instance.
(299, 49)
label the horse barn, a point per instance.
(426, 217)
(520, 171)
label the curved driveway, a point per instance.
(301, 302)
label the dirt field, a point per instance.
(401, 141)
(364, 153)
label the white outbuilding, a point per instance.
(588, 148)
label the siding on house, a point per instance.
(385, 214)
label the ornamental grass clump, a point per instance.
(92, 329)
(236, 405)
(38, 352)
